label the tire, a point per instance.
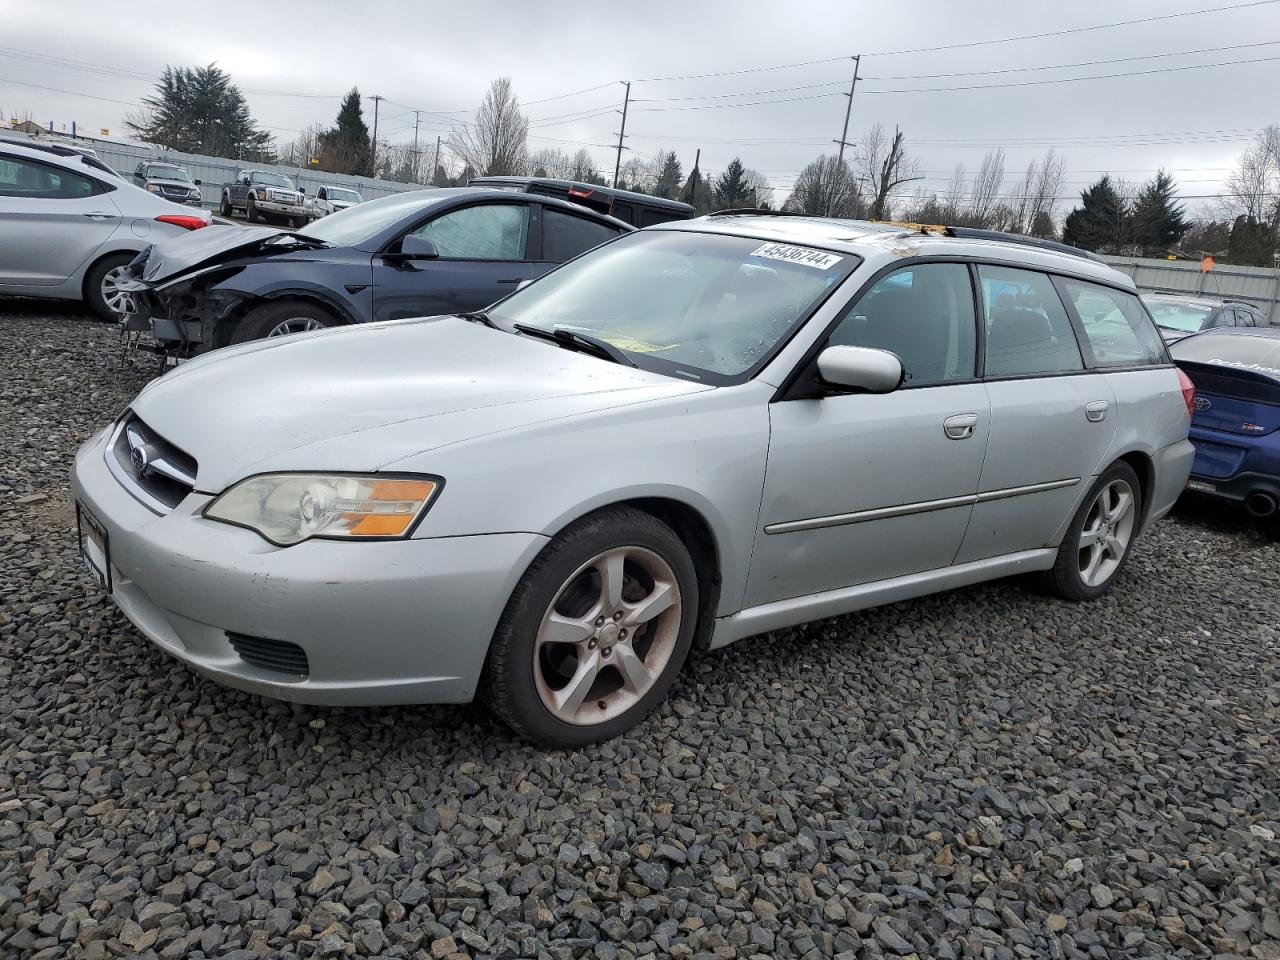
(1100, 529)
(251, 209)
(224, 207)
(98, 276)
(529, 670)
(264, 321)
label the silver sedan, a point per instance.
(692, 434)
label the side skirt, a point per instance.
(787, 613)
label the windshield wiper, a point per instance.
(479, 316)
(582, 342)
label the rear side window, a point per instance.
(20, 177)
(564, 236)
(1028, 330)
(924, 315)
(1118, 330)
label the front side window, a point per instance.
(699, 306)
(20, 177)
(564, 236)
(1027, 328)
(1119, 332)
(1180, 317)
(924, 315)
(490, 231)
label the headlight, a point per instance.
(153, 188)
(287, 508)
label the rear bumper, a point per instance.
(1236, 488)
(1172, 468)
(380, 623)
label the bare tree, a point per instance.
(986, 188)
(305, 147)
(883, 166)
(952, 200)
(1254, 185)
(758, 184)
(825, 187)
(1036, 193)
(496, 143)
(551, 162)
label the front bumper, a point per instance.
(283, 209)
(381, 623)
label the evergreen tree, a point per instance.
(1158, 220)
(199, 110)
(732, 189)
(1252, 242)
(346, 148)
(1043, 227)
(669, 175)
(1100, 222)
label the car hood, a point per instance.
(197, 249)
(360, 398)
(177, 184)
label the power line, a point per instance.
(1105, 76)
(1074, 30)
(752, 93)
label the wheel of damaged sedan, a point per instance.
(596, 631)
(1100, 538)
(282, 319)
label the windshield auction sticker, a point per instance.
(805, 256)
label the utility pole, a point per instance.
(373, 144)
(416, 114)
(622, 131)
(844, 134)
(435, 161)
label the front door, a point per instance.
(868, 487)
(483, 256)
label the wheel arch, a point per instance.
(1142, 464)
(246, 305)
(93, 263)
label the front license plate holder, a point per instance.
(94, 549)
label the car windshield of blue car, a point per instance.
(700, 306)
(273, 180)
(1183, 317)
(358, 223)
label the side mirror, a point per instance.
(414, 247)
(860, 368)
(302, 189)
(196, 182)
(524, 283)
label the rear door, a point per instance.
(52, 220)
(1052, 419)
(565, 235)
(484, 253)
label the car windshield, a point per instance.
(1184, 317)
(700, 306)
(273, 180)
(168, 173)
(361, 222)
(337, 193)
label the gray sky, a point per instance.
(440, 58)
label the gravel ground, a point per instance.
(986, 773)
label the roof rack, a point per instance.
(755, 212)
(976, 233)
(1247, 303)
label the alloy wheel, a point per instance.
(608, 636)
(118, 301)
(1107, 532)
(296, 325)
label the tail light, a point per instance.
(1188, 392)
(185, 221)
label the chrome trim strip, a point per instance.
(909, 509)
(172, 472)
(131, 487)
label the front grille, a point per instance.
(278, 655)
(149, 467)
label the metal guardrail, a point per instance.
(213, 172)
(1257, 285)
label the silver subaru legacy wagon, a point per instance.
(695, 433)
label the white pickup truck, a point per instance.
(329, 199)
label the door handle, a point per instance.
(1096, 411)
(511, 280)
(961, 426)
(98, 215)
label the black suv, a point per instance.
(167, 180)
(1179, 315)
(637, 209)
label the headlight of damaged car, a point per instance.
(288, 508)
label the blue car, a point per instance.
(1236, 424)
(417, 254)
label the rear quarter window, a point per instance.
(1116, 327)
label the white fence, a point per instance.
(1258, 285)
(213, 172)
